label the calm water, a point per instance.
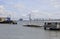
(10, 31)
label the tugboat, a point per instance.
(7, 20)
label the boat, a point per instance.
(52, 25)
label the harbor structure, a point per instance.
(52, 24)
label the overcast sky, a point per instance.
(37, 8)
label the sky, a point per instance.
(37, 8)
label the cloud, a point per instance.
(55, 3)
(17, 9)
(14, 10)
(18, 6)
(39, 14)
(44, 14)
(4, 12)
(35, 11)
(1, 8)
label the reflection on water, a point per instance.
(53, 34)
(9, 31)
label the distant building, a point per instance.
(4, 18)
(20, 19)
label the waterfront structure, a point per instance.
(7, 20)
(3, 19)
(52, 25)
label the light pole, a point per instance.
(29, 19)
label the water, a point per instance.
(10, 31)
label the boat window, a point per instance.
(56, 23)
(45, 23)
(0, 19)
(49, 23)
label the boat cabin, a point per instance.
(52, 25)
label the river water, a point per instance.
(10, 31)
